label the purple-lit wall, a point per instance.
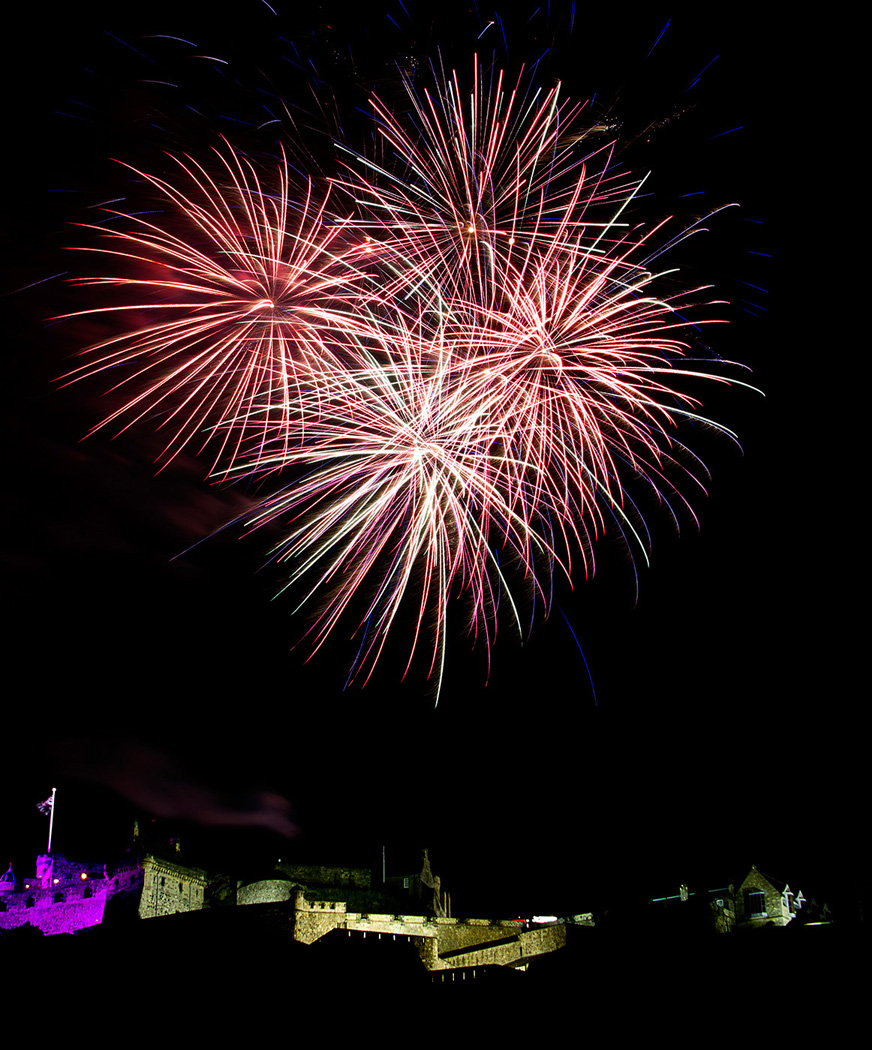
(62, 897)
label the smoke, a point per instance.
(157, 782)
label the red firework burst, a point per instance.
(460, 373)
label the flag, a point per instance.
(45, 807)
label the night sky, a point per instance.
(709, 723)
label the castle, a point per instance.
(313, 902)
(65, 897)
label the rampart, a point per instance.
(442, 943)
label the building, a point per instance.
(312, 902)
(755, 901)
(763, 901)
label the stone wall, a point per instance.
(170, 888)
(441, 943)
(314, 918)
(476, 943)
(324, 875)
(267, 891)
(63, 896)
(55, 910)
(457, 934)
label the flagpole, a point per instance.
(51, 818)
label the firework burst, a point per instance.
(403, 497)
(586, 358)
(447, 384)
(467, 186)
(251, 290)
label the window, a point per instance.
(755, 904)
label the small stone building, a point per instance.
(758, 900)
(763, 901)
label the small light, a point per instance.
(83, 876)
(55, 881)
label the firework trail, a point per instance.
(447, 381)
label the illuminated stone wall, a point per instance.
(442, 943)
(501, 945)
(315, 918)
(267, 891)
(170, 888)
(456, 934)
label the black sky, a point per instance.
(719, 728)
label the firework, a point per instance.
(581, 353)
(466, 187)
(251, 289)
(446, 385)
(403, 495)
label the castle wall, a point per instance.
(324, 875)
(456, 934)
(477, 942)
(40, 908)
(442, 943)
(517, 951)
(63, 896)
(267, 891)
(313, 918)
(170, 888)
(403, 925)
